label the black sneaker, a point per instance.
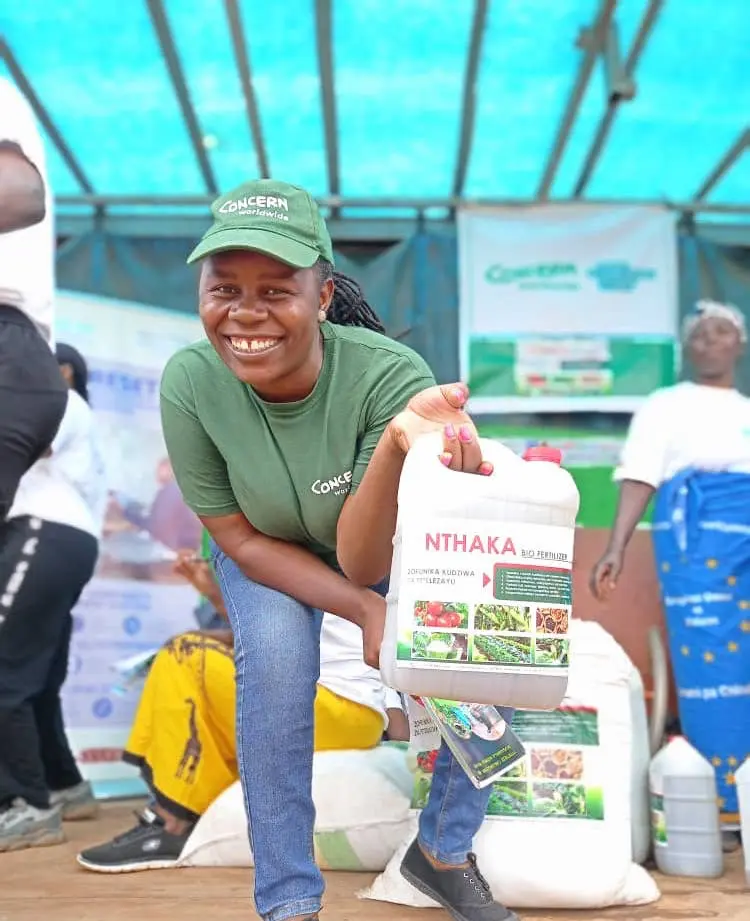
(463, 892)
(148, 846)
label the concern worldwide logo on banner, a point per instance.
(609, 276)
(555, 276)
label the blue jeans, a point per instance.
(277, 656)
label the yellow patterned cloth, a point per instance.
(183, 735)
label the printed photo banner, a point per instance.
(566, 308)
(135, 602)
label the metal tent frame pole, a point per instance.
(324, 44)
(469, 103)
(174, 66)
(45, 119)
(244, 69)
(734, 153)
(593, 41)
(162, 202)
(619, 90)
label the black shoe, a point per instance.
(463, 891)
(148, 846)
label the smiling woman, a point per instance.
(287, 432)
(271, 340)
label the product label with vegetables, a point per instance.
(559, 776)
(497, 596)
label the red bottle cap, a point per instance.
(543, 453)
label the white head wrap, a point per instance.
(706, 309)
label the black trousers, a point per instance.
(33, 397)
(43, 569)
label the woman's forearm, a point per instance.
(287, 568)
(368, 519)
(633, 500)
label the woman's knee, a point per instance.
(277, 638)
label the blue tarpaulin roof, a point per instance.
(405, 102)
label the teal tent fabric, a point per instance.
(413, 284)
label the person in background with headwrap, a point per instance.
(74, 369)
(689, 447)
(47, 556)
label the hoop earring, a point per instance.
(322, 315)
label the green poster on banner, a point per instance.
(564, 367)
(566, 308)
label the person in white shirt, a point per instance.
(183, 734)
(32, 395)
(688, 447)
(48, 554)
(703, 424)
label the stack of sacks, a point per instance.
(563, 831)
(564, 826)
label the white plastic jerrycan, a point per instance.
(685, 822)
(480, 593)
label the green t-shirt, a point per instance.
(288, 467)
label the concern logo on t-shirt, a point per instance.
(338, 485)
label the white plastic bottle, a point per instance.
(640, 815)
(684, 812)
(480, 593)
(742, 779)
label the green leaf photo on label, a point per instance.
(439, 646)
(509, 798)
(503, 618)
(551, 652)
(566, 800)
(519, 798)
(496, 650)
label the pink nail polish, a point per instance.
(459, 395)
(445, 459)
(486, 468)
(464, 434)
(450, 432)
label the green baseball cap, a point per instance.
(274, 218)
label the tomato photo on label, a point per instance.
(435, 608)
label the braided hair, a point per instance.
(348, 306)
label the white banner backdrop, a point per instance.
(566, 308)
(134, 601)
